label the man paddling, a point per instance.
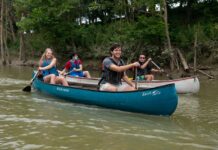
(145, 70)
(114, 70)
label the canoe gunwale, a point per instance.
(173, 80)
(155, 81)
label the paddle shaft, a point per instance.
(28, 88)
(136, 84)
(169, 76)
(34, 77)
(155, 65)
(68, 73)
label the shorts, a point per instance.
(120, 87)
(140, 77)
(43, 76)
(77, 74)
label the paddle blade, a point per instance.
(27, 89)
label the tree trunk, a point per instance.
(195, 52)
(183, 61)
(168, 35)
(11, 27)
(6, 35)
(2, 34)
(7, 50)
(177, 63)
(21, 52)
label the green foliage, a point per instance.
(149, 29)
(90, 26)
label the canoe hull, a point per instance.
(183, 85)
(155, 101)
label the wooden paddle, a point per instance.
(169, 76)
(67, 73)
(28, 87)
(155, 65)
(136, 82)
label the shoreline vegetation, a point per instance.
(204, 71)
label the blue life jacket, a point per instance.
(75, 64)
(52, 70)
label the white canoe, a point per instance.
(183, 85)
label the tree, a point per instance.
(165, 16)
(3, 57)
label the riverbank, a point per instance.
(95, 65)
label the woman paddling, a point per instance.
(47, 65)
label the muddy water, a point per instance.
(36, 121)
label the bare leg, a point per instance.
(87, 74)
(61, 80)
(126, 88)
(49, 79)
(152, 77)
(108, 87)
(149, 77)
(53, 77)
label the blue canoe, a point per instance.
(160, 100)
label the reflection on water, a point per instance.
(37, 121)
(189, 106)
(10, 81)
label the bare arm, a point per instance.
(123, 68)
(63, 72)
(145, 64)
(156, 70)
(40, 62)
(126, 79)
(80, 68)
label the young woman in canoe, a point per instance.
(74, 68)
(114, 71)
(47, 65)
(145, 70)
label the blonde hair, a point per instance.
(43, 57)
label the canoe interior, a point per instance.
(183, 85)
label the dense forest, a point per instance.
(158, 28)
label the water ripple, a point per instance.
(10, 81)
(30, 146)
(13, 118)
(198, 146)
(139, 135)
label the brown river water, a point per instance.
(37, 121)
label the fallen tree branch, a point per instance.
(210, 76)
(183, 61)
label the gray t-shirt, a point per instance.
(109, 75)
(108, 62)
